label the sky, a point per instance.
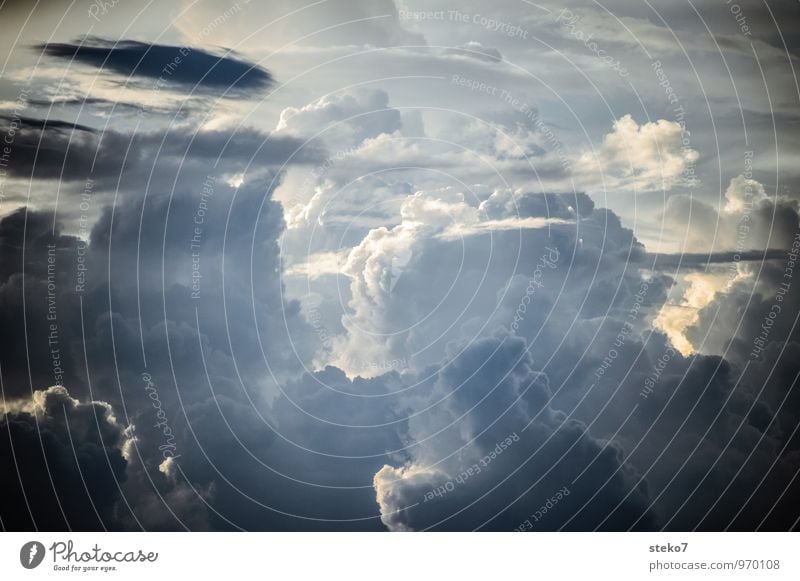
(372, 265)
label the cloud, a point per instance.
(342, 120)
(305, 453)
(330, 24)
(317, 265)
(747, 220)
(64, 462)
(389, 342)
(492, 452)
(99, 327)
(651, 156)
(743, 193)
(375, 266)
(402, 279)
(180, 67)
(108, 107)
(30, 123)
(46, 149)
(674, 319)
(701, 260)
(35, 269)
(474, 49)
(49, 149)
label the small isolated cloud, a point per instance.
(474, 49)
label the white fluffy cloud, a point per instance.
(652, 156)
(743, 193)
(379, 319)
(342, 120)
(747, 220)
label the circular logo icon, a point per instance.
(31, 554)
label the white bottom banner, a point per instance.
(350, 556)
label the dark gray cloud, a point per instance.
(301, 453)
(37, 270)
(107, 106)
(30, 123)
(501, 452)
(63, 464)
(54, 149)
(690, 422)
(698, 260)
(181, 67)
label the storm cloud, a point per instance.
(447, 275)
